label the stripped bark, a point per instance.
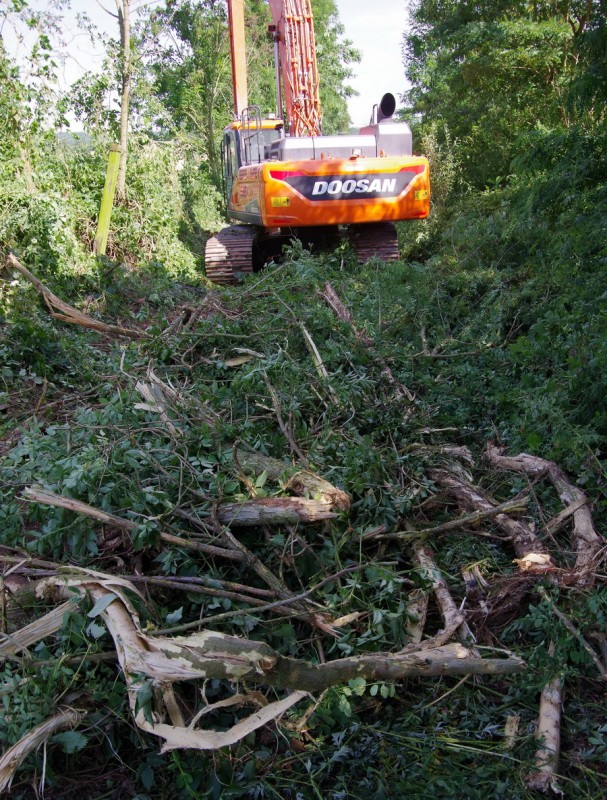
(586, 542)
(273, 511)
(213, 655)
(548, 734)
(13, 643)
(417, 610)
(65, 719)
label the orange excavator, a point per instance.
(284, 179)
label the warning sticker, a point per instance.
(281, 202)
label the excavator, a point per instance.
(284, 179)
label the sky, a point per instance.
(376, 33)
(376, 28)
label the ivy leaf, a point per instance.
(171, 619)
(71, 741)
(358, 686)
(143, 702)
(96, 631)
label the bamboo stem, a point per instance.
(107, 200)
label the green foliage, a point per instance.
(495, 321)
(493, 72)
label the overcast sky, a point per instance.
(375, 27)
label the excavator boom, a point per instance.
(294, 24)
(239, 55)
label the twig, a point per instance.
(36, 495)
(574, 632)
(332, 299)
(509, 506)
(281, 423)
(267, 607)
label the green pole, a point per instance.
(107, 200)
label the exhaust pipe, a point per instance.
(385, 109)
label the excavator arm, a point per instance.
(294, 38)
(294, 33)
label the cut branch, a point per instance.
(548, 735)
(66, 313)
(233, 548)
(524, 539)
(273, 511)
(213, 655)
(452, 617)
(304, 483)
(586, 542)
(509, 506)
(216, 656)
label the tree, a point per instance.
(492, 71)
(191, 63)
(124, 24)
(192, 69)
(28, 97)
(336, 55)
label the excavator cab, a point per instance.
(247, 141)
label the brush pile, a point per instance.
(257, 511)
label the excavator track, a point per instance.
(229, 253)
(375, 239)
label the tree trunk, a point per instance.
(123, 7)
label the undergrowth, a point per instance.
(494, 323)
(424, 738)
